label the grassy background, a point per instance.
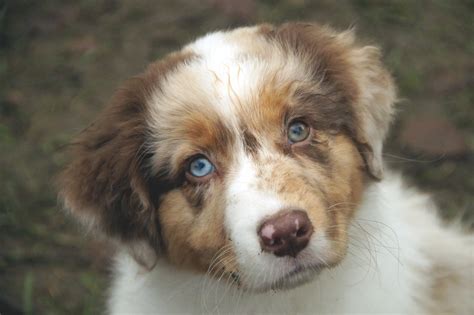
(61, 60)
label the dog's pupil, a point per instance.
(297, 131)
(200, 167)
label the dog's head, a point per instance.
(246, 154)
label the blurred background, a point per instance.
(61, 60)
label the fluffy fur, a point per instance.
(190, 244)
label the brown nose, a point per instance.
(286, 234)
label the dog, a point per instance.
(244, 174)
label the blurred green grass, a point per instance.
(61, 60)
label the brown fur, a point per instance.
(251, 143)
(438, 298)
(329, 197)
(345, 71)
(129, 178)
(108, 183)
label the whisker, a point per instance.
(340, 204)
(217, 259)
(406, 159)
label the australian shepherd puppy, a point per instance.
(244, 174)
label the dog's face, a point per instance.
(244, 155)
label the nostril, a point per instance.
(272, 242)
(301, 232)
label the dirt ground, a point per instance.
(60, 60)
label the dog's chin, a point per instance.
(292, 279)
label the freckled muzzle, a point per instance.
(285, 234)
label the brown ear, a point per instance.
(354, 77)
(109, 185)
(374, 106)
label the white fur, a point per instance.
(245, 210)
(247, 206)
(395, 239)
(233, 76)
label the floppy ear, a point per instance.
(108, 185)
(373, 106)
(372, 100)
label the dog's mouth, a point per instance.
(297, 276)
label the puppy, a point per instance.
(244, 174)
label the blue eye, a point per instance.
(298, 132)
(200, 167)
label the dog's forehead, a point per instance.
(232, 76)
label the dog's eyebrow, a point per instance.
(327, 109)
